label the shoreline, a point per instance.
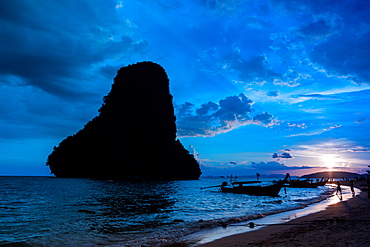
(346, 220)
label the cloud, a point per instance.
(30, 112)
(317, 96)
(211, 118)
(360, 150)
(342, 95)
(273, 165)
(315, 30)
(335, 126)
(292, 125)
(361, 120)
(284, 155)
(54, 45)
(235, 105)
(328, 41)
(345, 56)
(317, 131)
(270, 165)
(254, 70)
(274, 93)
(345, 52)
(265, 119)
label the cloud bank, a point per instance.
(212, 118)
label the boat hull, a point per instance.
(305, 184)
(271, 190)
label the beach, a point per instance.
(345, 223)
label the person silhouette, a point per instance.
(352, 187)
(339, 191)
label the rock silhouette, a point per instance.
(133, 136)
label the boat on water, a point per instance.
(253, 187)
(307, 183)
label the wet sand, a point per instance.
(346, 223)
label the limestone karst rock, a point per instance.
(133, 136)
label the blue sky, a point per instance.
(264, 86)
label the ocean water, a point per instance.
(48, 211)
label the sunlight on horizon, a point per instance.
(329, 161)
(333, 161)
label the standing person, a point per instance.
(352, 188)
(339, 190)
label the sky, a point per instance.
(267, 86)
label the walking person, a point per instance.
(352, 187)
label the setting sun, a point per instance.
(330, 160)
(333, 161)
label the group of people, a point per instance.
(339, 189)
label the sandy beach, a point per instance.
(346, 223)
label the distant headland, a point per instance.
(134, 135)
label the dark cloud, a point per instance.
(284, 155)
(265, 119)
(345, 55)
(325, 36)
(211, 118)
(316, 30)
(361, 120)
(108, 71)
(187, 108)
(360, 150)
(270, 165)
(53, 45)
(274, 93)
(274, 165)
(205, 109)
(331, 37)
(234, 108)
(253, 70)
(31, 113)
(345, 52)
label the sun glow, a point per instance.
(332, 160)
(328, 160)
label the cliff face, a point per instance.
(133, 136)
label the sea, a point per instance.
(49, 211)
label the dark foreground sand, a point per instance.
(346, 223)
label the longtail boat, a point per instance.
(254, 187)
(306, 183)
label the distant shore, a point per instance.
(346, 223)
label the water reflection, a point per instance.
(120, 199)
(128, 207)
